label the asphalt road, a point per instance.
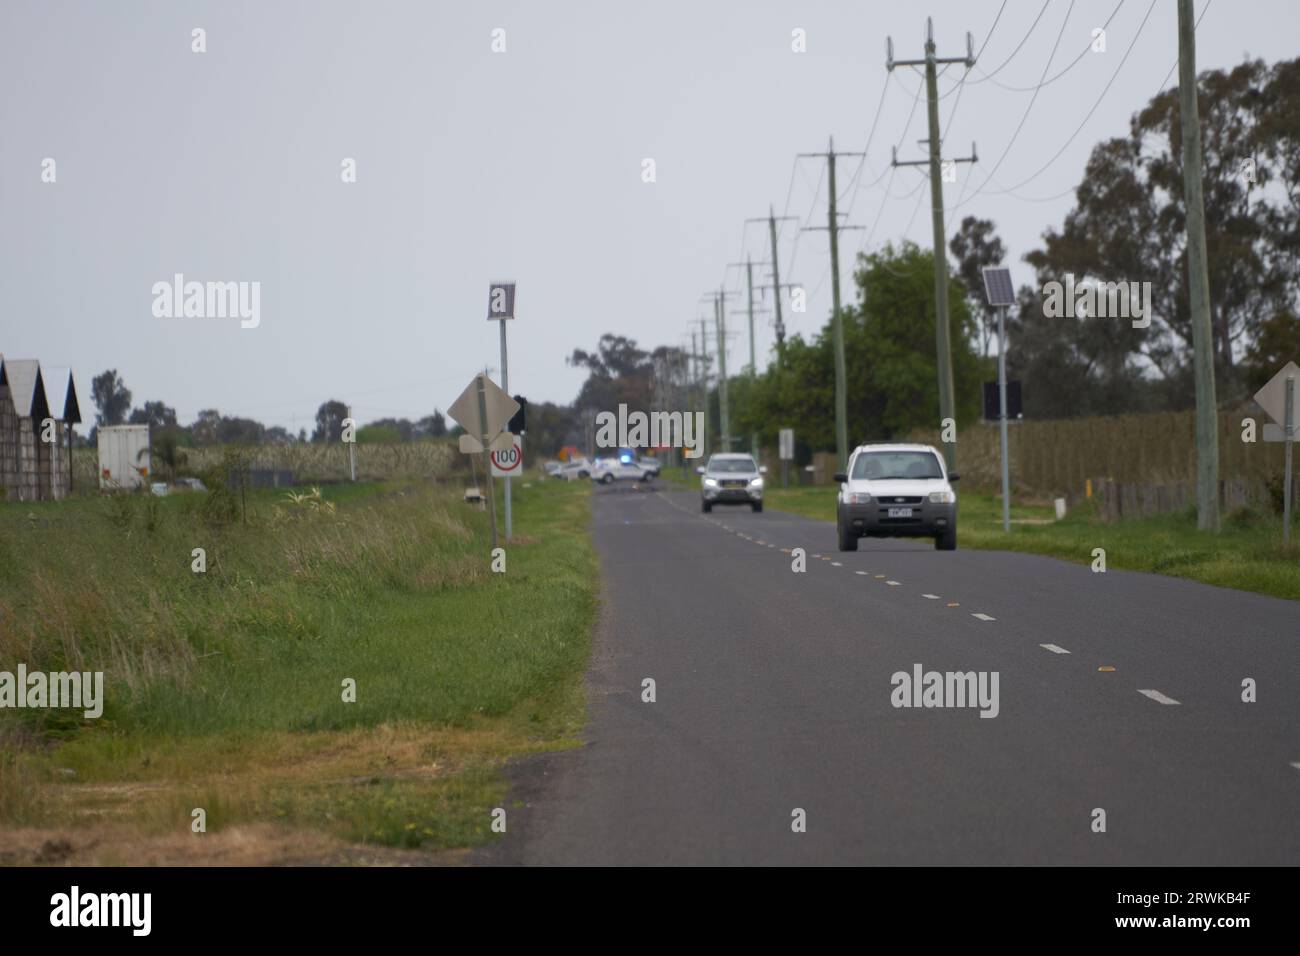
(773, 694)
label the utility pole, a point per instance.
(942, 329)
(771, 220)
(704, 369)
(748, 266)
(697, 385)
(749, 285)
(753, 360)
(724, 419)
(719, 300)
(1198, 280)
(834, 228)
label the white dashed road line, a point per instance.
(1155, 695)
(1158, 697)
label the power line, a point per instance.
(1032, 26)
(1025, 116)
(906, 126)
(1057, 155)
(811, 209)
(951, 116)
(851, 191)
(1052, 79)
(1011, 190)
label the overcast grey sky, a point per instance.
(474, 165)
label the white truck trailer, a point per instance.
(123, 457)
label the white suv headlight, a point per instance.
(756, 482)
(857, 498)
(710, 482)
(942, 497)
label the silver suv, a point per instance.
(896, 491)
(731, 478)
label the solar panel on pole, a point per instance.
(997, 287)
(1000, 294)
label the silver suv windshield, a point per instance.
(732, 466)
(886, 465)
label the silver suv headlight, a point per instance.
(756, 482)
(942, 497)
(710, 482)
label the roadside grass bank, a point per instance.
(1246, 554)
(224, 690)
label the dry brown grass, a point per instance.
(257, 844)
(140, 813)
(1056, 457)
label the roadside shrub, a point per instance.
(226, 481)
(1276, 493)
(1244, 518)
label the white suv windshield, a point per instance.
(732, 465)
(883, 465)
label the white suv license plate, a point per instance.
(900, 512)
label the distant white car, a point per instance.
(607, 470)
(651, 465)
(731, 478)
(551, 468)
(575, 469)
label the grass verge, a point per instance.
(224, 690)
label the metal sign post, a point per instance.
(1278, 398)
(999, 293)
(505, 387)
(483, 410)
(501, 306)
(1002, 417)
(1289, 425)
(786, 450)
(487, 440)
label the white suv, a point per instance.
(731, 478)
(896, 491)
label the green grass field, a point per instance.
(1247, 554)
(224, 689)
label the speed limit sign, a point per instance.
(509, 462)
